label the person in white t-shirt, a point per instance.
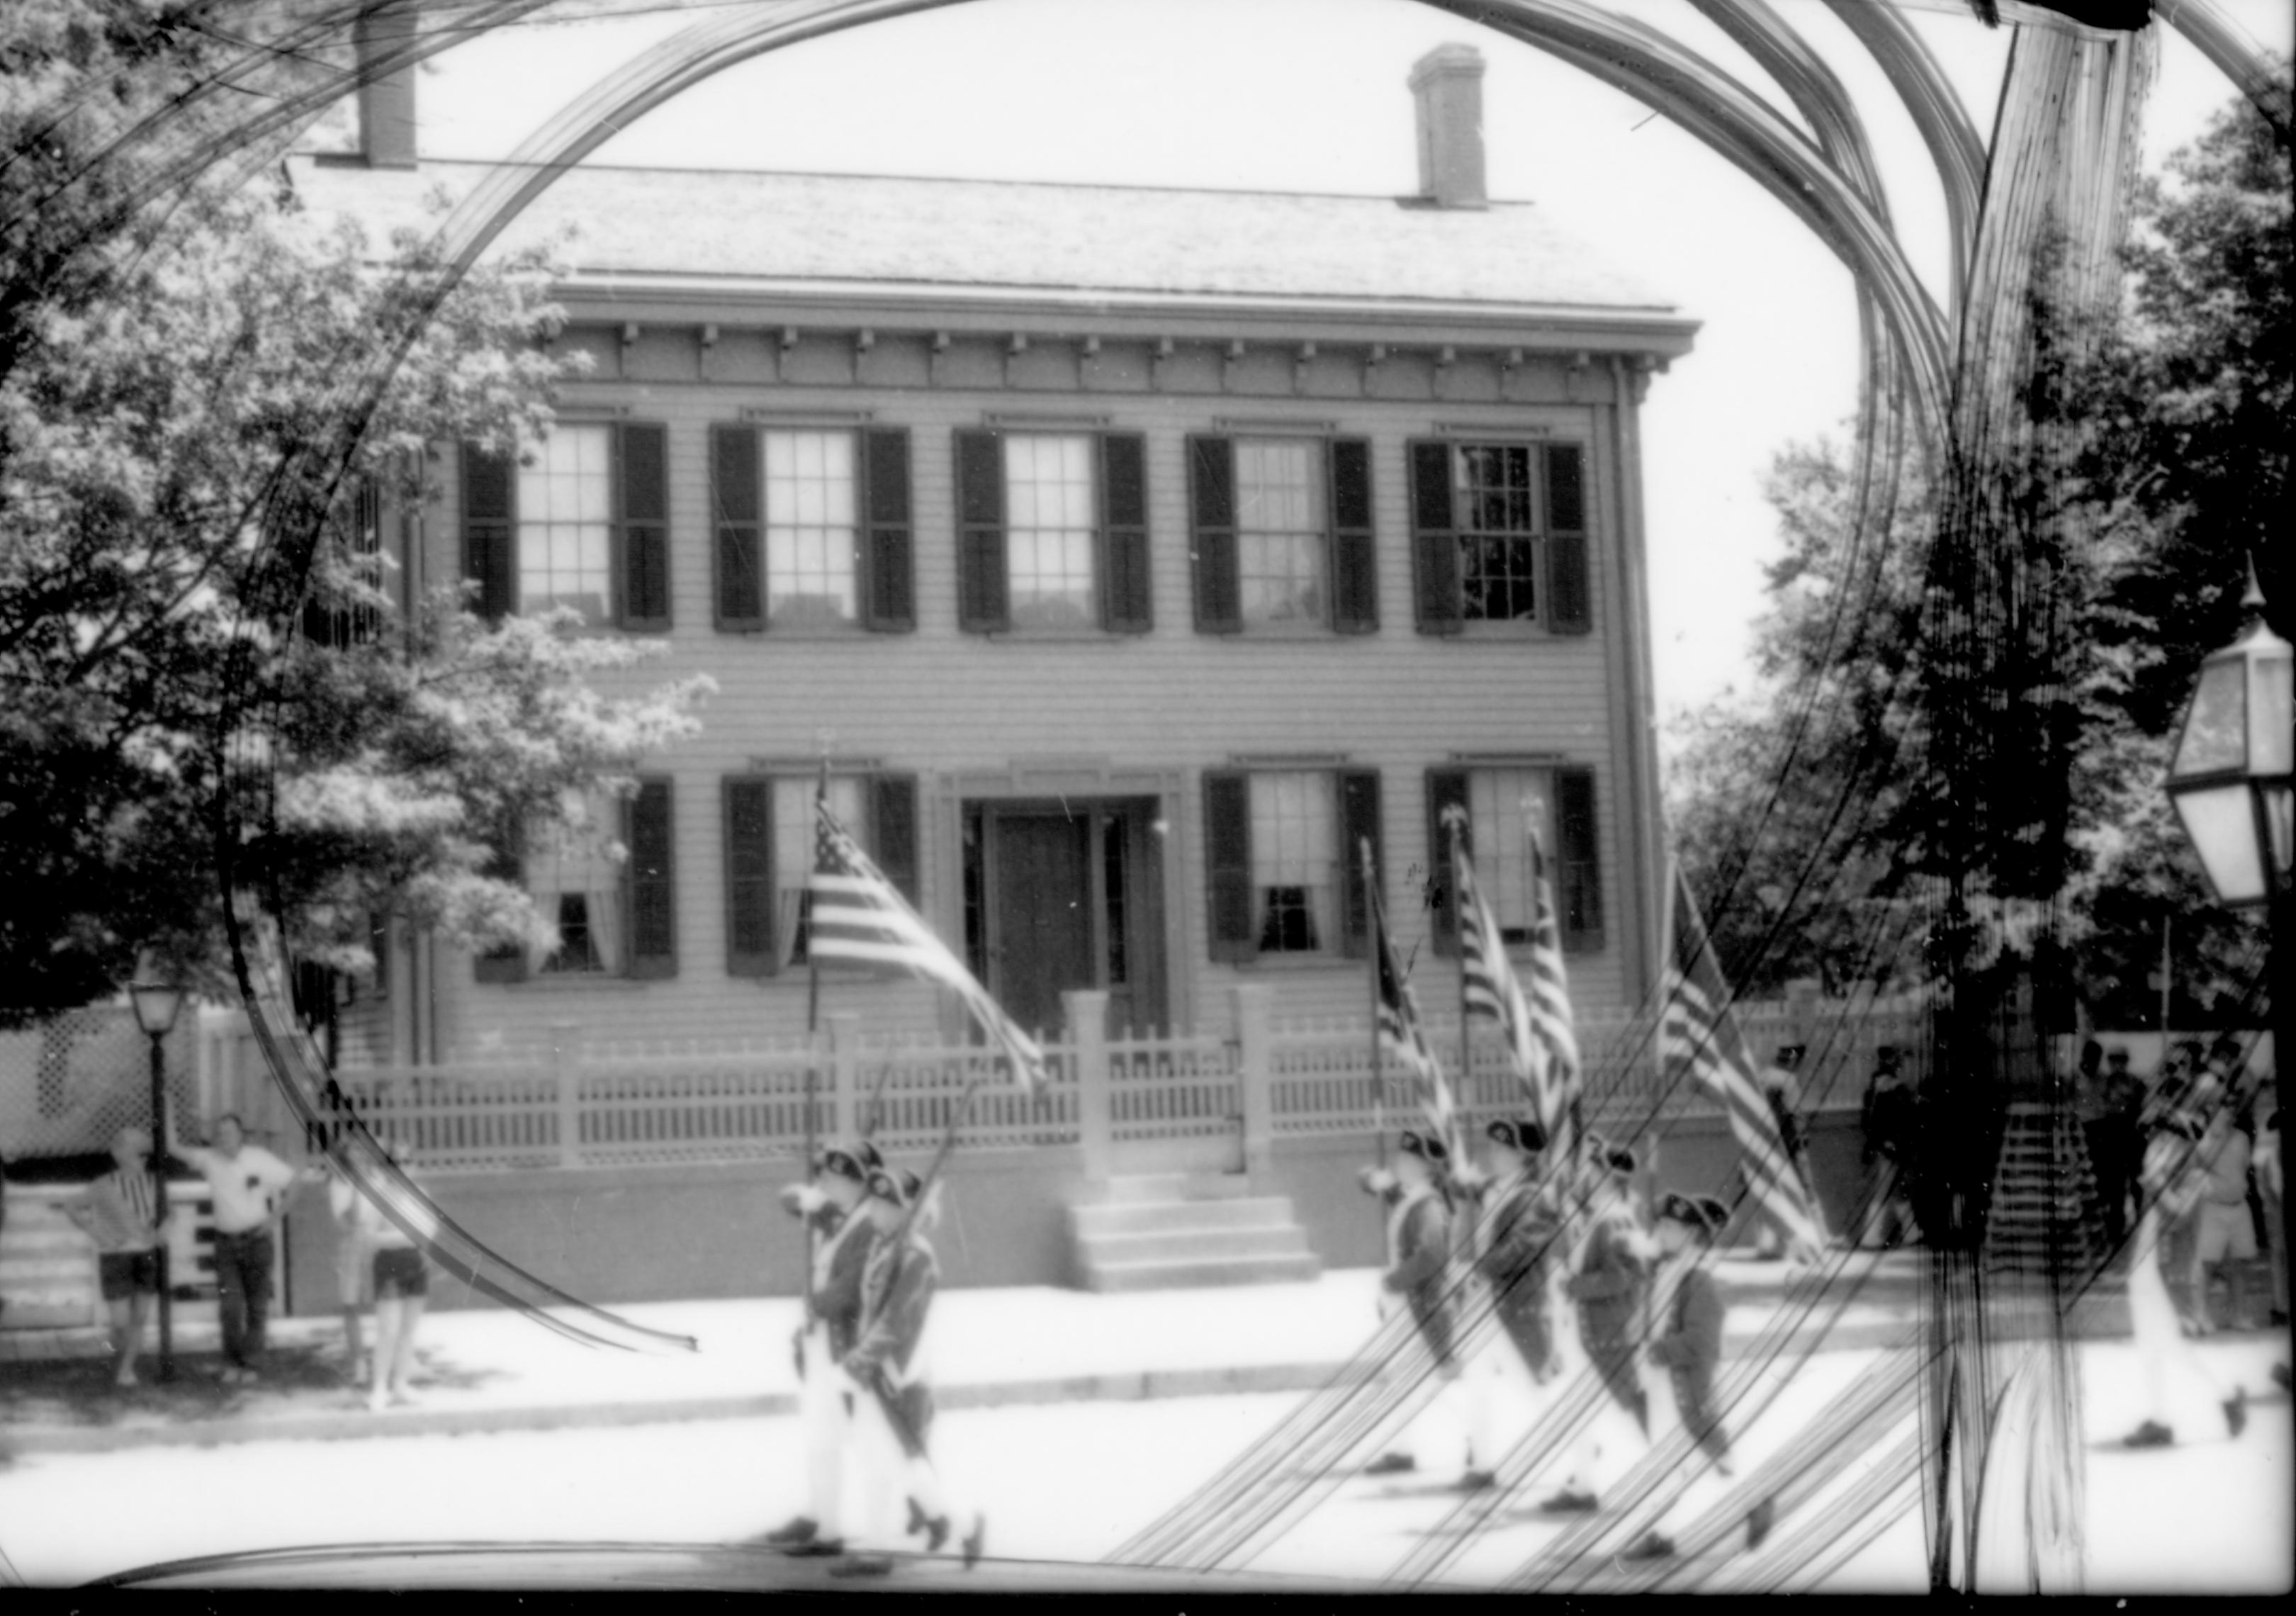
(249, 1185)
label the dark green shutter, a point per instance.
(644, 455)
(508, 864)
(749, 896)
(489, 555)
(1125, 607)
(1358, 823)
(1211, 511)
(652, 882)
(984, 600)
(1227, 866)
(740, 583)
(1435, 545)
(1447, 788)
(1578, 893)
(893, 830)
(1354, 557)
(1569, 609)
(890, 605)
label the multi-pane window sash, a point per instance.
(1499, 534)
(586, 523)
(1231, 494)
(1574, 864)
(624, 923)
(1283, 871)
(768, 826)
(811, 525)
(1051, 529)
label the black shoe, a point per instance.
(1477, 1481)
(799, 1531)
(1570, 1503)
(1758, 1522)
(1650, 1545)
(2151, 1434)
(815, 1548)
(2235, 1409)
(934, 1529)
(1391, 1465)
(862, 1565)
(973, 1540)
(2279, 1376)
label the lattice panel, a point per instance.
(68, 1084)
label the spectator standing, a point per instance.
(354, 1278)
(248, 1185)
(2125, 1095)
(2225, 1237)
(2271, 1188)
(124, 1218)
(1886, 1120)
(2098, 1104)
(402, 1286)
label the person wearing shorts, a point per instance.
(353, 1266)
(402, 1282)
(2226, 1229)
(121, 1216)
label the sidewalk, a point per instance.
(493, 1370)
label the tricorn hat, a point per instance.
(1426, 1147)
(1617, 1160)
(1790, 1055)
(843, 1163)
(1525, 1136)
(1703, 1213)
(885, 1186)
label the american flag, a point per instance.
(858, 915)
(1701, 1033)
(1399, 1032)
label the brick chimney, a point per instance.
(1447, 84)
(386, 100)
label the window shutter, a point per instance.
(1211, 510)
(489, 557)
(1435, 544)
(984, 603)
(1569, 611)
(749, 878)
(1446, 788)
(1227, 864)
(893, 828)
(507, 964)
(644, 466)
(653, 883)
(740, 583)
(888, 568)
(1578, 894)
(1354, 558)
(1125, 607)
(1359, 822)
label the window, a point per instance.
(583, 523)
(770, 849)
(1499, 532)
(1284, 860)
(348, 569)
(1504, 804)
(607, 883)
(1280, 534)
(1053, 532)
(812, 528)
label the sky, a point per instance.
(1310, 95)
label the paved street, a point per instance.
(1063, 1483)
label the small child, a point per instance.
(1688, 1346)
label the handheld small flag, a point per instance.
(858, 917)
(1699, 1031)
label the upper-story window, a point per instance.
(1281, 533)
(770, 848)
(812, 528)
(1052, 531)
(582, 523)
(1499, 533)
(1505, 803)
(1282, 853)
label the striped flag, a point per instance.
(856, 915)
(1490, 989)
(1538, 1025)
(1399, 1032)
(1701, 1033)
(1562, 1079)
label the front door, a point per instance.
(1064, 896)
(1043, 916)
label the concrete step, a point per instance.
(1184, 1274)
(48, 1310)
(1147, 1217)
(35, 1271)
(1177, 1187)
(1279, 1240)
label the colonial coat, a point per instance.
(840, 1257)
(1689, 1347)
(1418, 1245)
(1518, 1225)
(897, 1292)
(1612, 1280)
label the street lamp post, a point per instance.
(2232, 778)
(158, 1001)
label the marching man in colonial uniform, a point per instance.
(1515, 1222)
(1609, 1282)
(888, 1368)
(1688, 1346)
(840, 1254)
(1418, 1253)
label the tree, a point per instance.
(166, 528)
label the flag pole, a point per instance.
(1378, 945)
(1456, 818)
(812, 1028)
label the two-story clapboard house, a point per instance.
(1131, 553)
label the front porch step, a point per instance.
(1198, 1273)
(1170, 1187)
(1112, 1218)
(1285, 1239)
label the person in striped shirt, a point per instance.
(121, 1214)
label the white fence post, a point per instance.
(1087, 1009)
(844, 1113)
(1255, 1007)
(565, 1073)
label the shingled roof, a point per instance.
(703, 226)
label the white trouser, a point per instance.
(879, 1515)
(827, 1428)
(1607, 1447)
